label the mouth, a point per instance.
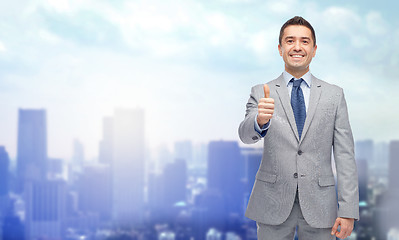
(297, 56)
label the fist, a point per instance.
(265, 107)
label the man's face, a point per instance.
(297, 48)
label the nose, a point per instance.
(297, 46)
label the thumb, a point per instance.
(335, 227)
(266, 90)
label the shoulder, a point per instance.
(332, 88)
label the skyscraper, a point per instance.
(45, 203)
(95, 190)
(175, 179)
(394, 167)
(105, 149)
(4, 183)
(32, 146)
(362, 169)
(184, 150)
(4, 172)
(225, 166)
(364, 150)
(78, 153)
(128, 166)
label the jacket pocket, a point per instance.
(326, 181)
(266, 177)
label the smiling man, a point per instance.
(302, 120)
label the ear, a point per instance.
(280, 50)
(314, 51)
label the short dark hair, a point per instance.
(297, 21)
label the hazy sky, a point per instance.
(189, 64)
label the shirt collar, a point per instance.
(307, 78)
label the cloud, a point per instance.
(2, 47)
(182, 61)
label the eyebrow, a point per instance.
(294, 37)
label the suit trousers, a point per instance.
(286, 230)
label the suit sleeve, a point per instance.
(246, 130)
(343, 149)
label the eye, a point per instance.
(290, 41)
(305, 41)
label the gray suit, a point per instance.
(289, 163)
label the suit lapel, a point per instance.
(315, 92)
(282, 92)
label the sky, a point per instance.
(189, 64)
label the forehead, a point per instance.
(298, 31)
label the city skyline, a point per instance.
(186, 198)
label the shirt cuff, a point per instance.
(262, 131)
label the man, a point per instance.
(302, 119)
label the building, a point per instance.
(105, 148)
(128, 166)
(78, 157)
(184, 150)
(362, 169)
(175, 179)
(45, 203)
(32, 146)
(4, 172)
(95, 192)
(393, 167)
(224, 181)
(365, 150)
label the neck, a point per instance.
(297, 73)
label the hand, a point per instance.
(265, 107)
(346, 227)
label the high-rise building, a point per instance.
(4, 184)
(4, 172)
(78, 157)
(156, 192)
(55, 168)
(175, 179)
(167, 190)
(184, 150)
(200, 155)
(95, 190)
(386, 211)
(45, 209)
(225, 166)
(362, 169)
(105, 149)
(128, 166)
(381, 157)
(32, 146)
(365, 150)
(394, 166)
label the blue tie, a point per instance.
(298, 105)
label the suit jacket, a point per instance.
(289, 163)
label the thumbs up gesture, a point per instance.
(265, 107)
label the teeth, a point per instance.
(297, 55)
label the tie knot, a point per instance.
(297, 83)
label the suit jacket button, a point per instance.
(255, 138)
(300, 152)
(295, 175)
